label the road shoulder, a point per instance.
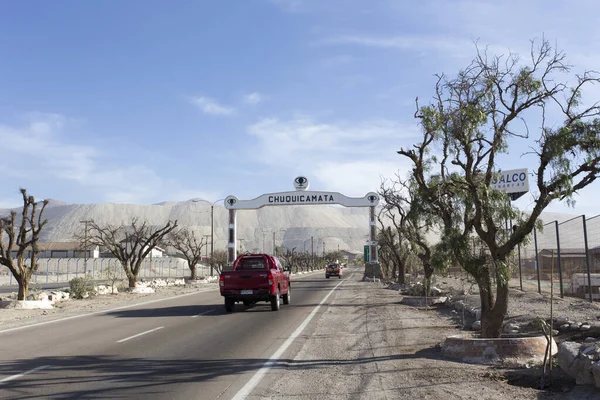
(367, 345)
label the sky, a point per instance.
(145, 101)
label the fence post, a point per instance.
(537, 260)
(170, 261)
(47, 272)
(520, 270)
(560, 274)
(587, 257)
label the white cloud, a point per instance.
(303, 136)
(403, 42)
(357, 178)
(253, 98)
(211, 107)
(342, 155)
(41, 149)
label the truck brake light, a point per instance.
(270, 277)
(221, 280)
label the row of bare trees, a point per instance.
(473, 122)
(130, 244)
(304, 261)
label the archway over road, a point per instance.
(300, 196)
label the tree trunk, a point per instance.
(428, 269)
(491, 323)
(193, 273)
(132, 281)
(23, 288)
(484, 283)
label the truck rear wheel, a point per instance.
(275, 301)
(287, 296)
(229, 304)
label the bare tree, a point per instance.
(392, 253)
(218, 260)
(412, 220)
(21, 235)
(189, 245)
(473, 119)
(130, 244)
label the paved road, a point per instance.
(183, 348)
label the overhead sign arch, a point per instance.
(300, 196)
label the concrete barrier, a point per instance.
(512, 351)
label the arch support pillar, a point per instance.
(372, 235)
(231, 241)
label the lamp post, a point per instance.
(212, 228)
(85, 245)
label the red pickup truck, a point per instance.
(254, 278)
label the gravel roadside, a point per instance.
(368, 346)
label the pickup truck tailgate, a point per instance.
(240, 280)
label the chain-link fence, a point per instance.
(57, 270)
(564, 257)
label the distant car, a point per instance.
(334, 270)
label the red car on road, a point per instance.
(334, 269)
(254, 278)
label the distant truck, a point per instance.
(254, 278)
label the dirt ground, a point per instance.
(367, 345)
(525, 305)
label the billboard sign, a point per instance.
(513, 181)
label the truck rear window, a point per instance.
(252, 263)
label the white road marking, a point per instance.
(255, 380)
(139, 334)
(31, 371)
(103, 311)
(203, 313)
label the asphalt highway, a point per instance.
(182, 348)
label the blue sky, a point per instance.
(148, 101)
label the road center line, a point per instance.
(139, 334)
(31, 371)
(203, 313)
(255, 380)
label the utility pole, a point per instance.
(274, 248)
(312, 246)
(212, 237)
(85, 239)
(206, 251)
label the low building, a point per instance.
(61, 250)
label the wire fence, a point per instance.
(58, 270)
(562, 256)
